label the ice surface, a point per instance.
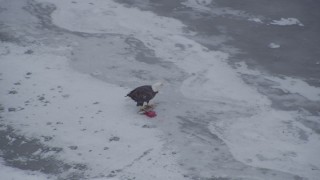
(207, 6)
(204, 81)
(8, 173)
(210, 123)
(199, 5)
(271, 139)
(286, 84)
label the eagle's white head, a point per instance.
(156, 87)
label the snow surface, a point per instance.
(98, 127)
(257, 20)
(78, 110)
(287, 22)
(274, 45)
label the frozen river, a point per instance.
(241, 98)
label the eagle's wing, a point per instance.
(142, 94)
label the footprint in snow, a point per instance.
(114, 138)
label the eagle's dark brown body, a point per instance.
(142, 94)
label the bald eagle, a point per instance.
(144, 94)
